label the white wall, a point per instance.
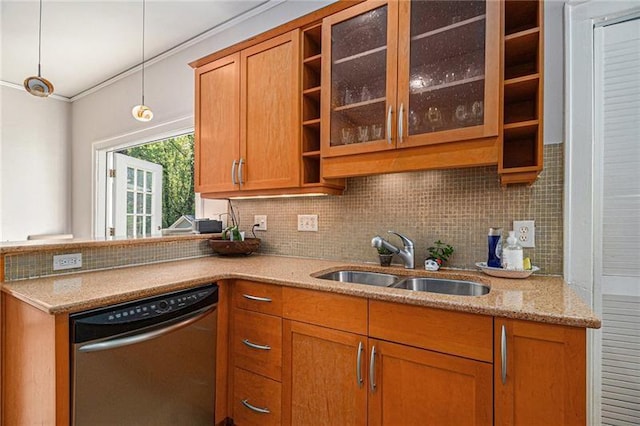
(34, 165)
(106, 114)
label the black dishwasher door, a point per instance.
(154, 366)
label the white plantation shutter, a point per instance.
(617, 111)
(621, 140)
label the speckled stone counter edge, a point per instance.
(539, 298)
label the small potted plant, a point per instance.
(439, 253)
(385, 256)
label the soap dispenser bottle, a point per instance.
(512, 258)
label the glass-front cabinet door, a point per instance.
(448, 71)
(360, 69)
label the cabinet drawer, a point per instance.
(335, 311)
(257, 343)
(256, 399)
(456, 333)
(257, 297)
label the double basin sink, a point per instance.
(432, 285)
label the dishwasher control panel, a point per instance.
(150, 308)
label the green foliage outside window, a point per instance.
(176, 157)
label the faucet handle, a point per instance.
(405, 240)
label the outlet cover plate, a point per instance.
(261, 221)
(525, 232)
(308, 222)
(67, 261)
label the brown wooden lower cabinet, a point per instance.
(336, 377)
(415, 386)
(537, 377)
(324, 376)
(540, 374)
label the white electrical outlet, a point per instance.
(308, 222)
(261, 221)
(525, 232)
(67, 261)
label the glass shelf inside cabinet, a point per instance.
(447, 65)
(358, 78)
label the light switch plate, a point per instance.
(525, 232)
(308, 222)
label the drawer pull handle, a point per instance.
(254, 408)
(359, 365)
(256, 298)
(372, 370)
(234, 165)
(254, 346)
(503, 354)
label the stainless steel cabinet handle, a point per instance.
(400, 123)
(254, 408)
(240, 175)
(255, 346)
(256, 298)
(233, 172)
(359, 365)
(372, 370)
(503, 354)
(389, 125)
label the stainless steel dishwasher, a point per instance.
(148, 362)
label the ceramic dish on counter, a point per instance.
(504, 273)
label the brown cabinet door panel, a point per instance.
(320, 376)
(419, 387)
(270, 119)
(545, 374)
(217, 124)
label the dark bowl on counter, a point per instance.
(234, 248)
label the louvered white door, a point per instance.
(617, 201)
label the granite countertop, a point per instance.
(538, 298)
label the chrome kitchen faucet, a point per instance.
(407, 254)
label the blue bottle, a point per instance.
(495, 248)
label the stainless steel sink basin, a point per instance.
(443, 286)
(360, 277)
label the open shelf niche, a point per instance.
(311, 119)
(521, 156)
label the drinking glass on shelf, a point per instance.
(450, 77)
(347, 135)
(376, 132)
(363, 133)
(477, 111)
(365, 94)
(414, 121)
(434, 117)
(348, 96)
(461, 114)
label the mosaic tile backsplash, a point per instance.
(39, 264)
(456, 206)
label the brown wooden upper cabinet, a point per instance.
(402, 74)
(247, 119)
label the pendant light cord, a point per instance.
(39, 38)
(143, 19)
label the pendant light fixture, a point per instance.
(39, 86)
(142, 112)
